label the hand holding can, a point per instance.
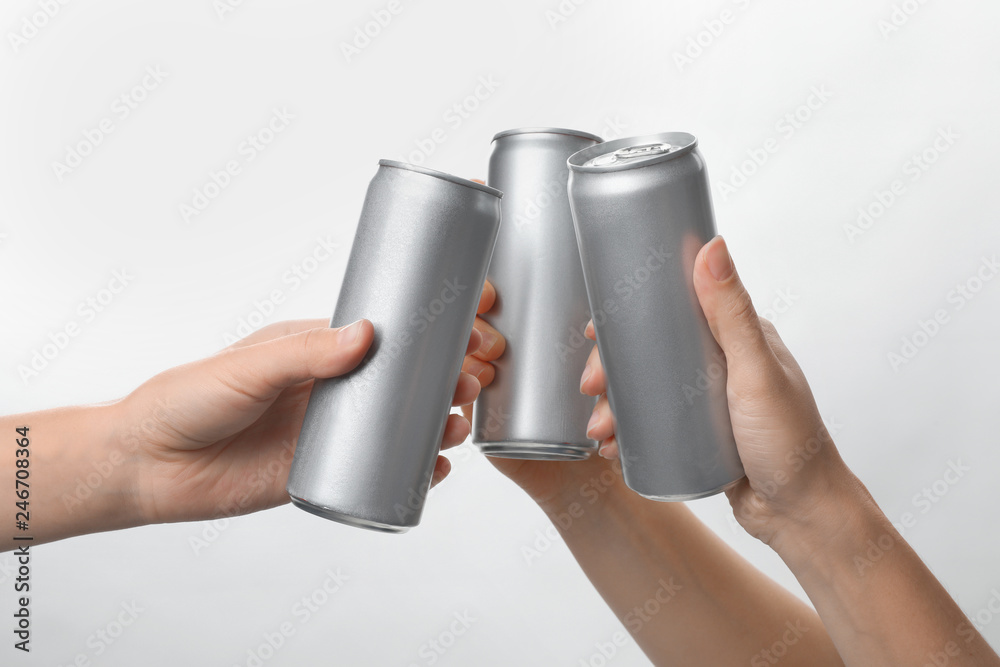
(533, 410)
(370, 439)
(642, 210)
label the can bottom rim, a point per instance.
(347, 519)
(681, 497)
(537, 451)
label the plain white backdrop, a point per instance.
(806, 113)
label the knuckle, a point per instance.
(310, 344)
(741, 308)
(769, 329)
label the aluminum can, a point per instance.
(642, 210)
(370, 438)
(534, 408)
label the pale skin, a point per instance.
(799, 497)
(214, 438)
(211, 438)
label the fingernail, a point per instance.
(490, 339)
(605, 451)
(350, 333)
(486, 369)
(594, 418)
(472, 336)
(587, 372)
(720, 264)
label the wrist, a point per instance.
(596, 483)
(109, 469)
(80, 481)
(830, 526)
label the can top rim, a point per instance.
(547, 130)
(684, 141)
(458, 180)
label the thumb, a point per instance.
(262, 370)
(727, 305)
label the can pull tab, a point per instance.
(645, 150)
(631, 153)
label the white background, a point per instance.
(853, 298)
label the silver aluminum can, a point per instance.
(534, 408)
(370, 438)
(642, 211)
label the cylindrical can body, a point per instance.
(642, 211)
(534, 408)
(370, 438)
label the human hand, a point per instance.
(791, 463)
(216, 437)
(478, 360)
(549, 483)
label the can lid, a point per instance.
(442, 175)
(632, 152)
(548, 130)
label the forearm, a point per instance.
(879, 602)
(76, 478)
(683, 594)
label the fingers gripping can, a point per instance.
(642, 211)
(534, 408)
(370, 438)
